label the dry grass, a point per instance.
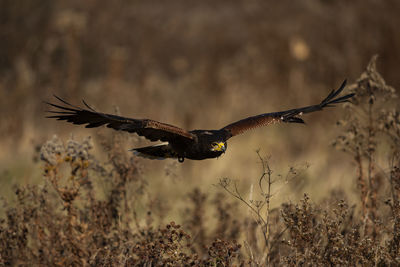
(71, 220)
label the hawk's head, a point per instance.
(219, 146)
(211, 143)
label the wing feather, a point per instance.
(150, 129)
(291, 116)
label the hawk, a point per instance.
(177, 142)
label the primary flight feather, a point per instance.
(180, 143)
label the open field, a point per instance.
(331, 197)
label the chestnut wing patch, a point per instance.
(150, 129)
(292, 115)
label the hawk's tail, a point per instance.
(161, 151)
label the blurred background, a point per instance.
(197, 65)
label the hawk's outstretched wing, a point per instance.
(291, 115)
(150, 129)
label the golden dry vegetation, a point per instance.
(324, 193)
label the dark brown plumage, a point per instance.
(180, 143)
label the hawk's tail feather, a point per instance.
(159, 152)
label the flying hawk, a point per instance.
(180, 143)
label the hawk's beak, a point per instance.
(218, 146)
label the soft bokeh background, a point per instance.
(198, 65)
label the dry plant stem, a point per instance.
(266, 172)
(361, 182)
(262, 217)
(68, 194)
(372, 192)
(394, 173)
(235, 193)
(256, 207)
(395, 206)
